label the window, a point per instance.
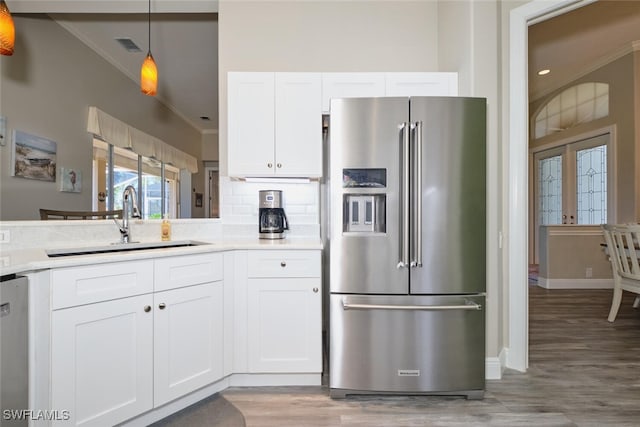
(143, 173)
(575, 105)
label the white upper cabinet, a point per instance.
(275, 124)
(351, 85)
(275, 119)
(421, 84)
(298, 146)
(358, 85)
(251, 123)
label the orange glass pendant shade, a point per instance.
(149, 76)
(7, 30)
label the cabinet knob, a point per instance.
(162, 306)
(269, 165)
(147, 308)
(283, 264)
(315, 290)
(279, 165)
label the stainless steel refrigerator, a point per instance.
(407, 237)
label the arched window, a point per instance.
(578, 104)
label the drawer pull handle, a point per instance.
(279, 165)
(315, 290)
(269, 165)
(283, 264)
(147, 308)
(162, 306)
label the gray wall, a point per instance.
(47, 86)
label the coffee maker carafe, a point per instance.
(272, 221)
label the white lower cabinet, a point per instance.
(114, 360)
(285, 325)
(188, 340)
(102, 353)
(284, 311)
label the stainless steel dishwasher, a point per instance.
(14, 345)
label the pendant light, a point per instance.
(7, 30)
(149, 71)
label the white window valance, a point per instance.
(120, 134)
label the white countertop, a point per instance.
(31, 239)
(25, 260)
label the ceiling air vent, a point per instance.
(128, 44)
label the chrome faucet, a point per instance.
(129, 197)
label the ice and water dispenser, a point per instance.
(364, 200)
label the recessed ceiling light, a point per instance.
(544, 72)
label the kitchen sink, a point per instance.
(121, 247)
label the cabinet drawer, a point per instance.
(304, 263)
(84, 285)
(188, 270)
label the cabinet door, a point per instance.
(101, 361)
(188, 340)
(284, 325)
(350, 85)
(298, 126)
(251, 118)
(421, 84)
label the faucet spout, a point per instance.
(129, 204)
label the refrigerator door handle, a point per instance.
(352, 306)
(405, 207)
(416, 252)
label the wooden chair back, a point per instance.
(51, 214)
(623, 246)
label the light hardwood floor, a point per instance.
(584, 371)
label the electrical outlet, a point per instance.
(588, 273)
(5, 236)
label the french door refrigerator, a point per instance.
(407, 237)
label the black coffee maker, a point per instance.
(272, 221)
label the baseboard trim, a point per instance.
(493, 368)
(543, 282)
(249, 380)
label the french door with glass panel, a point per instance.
(571, 183)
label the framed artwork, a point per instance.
(70, 180)
(33, 157)
(198, 200)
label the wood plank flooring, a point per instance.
(584, 371)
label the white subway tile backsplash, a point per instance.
(239, 202)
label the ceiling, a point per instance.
(184, 43)
(577, 42)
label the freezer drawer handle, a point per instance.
(350, 306)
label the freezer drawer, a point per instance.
(407, 345)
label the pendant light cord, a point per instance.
(149, 16)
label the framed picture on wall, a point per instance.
(198, 200)
(33, 157)
(70, 180)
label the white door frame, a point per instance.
(515, 169)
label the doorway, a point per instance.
(515, 169)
